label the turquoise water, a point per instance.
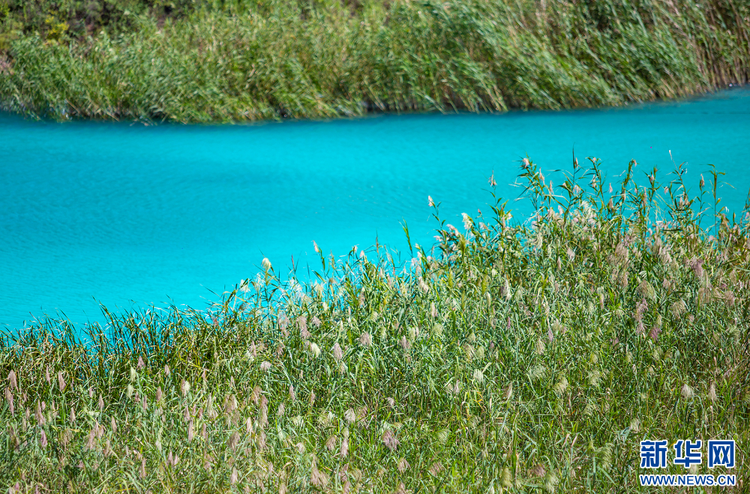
(129, 215)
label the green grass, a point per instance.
(514, 358)
(250, 60)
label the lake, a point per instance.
(130, 215)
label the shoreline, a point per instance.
(280, 60)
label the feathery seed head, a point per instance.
(184, 387)
(365, 339)
(315, 350)
(318, 478)
(478, 376)
(60, 381)
(467, 221)
(265, 366)
(302, 323)
(234, 440)
(436, 469)
(540, 346)
(38, 415)
(536, 372)
(390, 440)
(635, 425)
(404, 343)
(331, 443)
(338, 354)
(687, 392)
(9, 399)
(712, 392)
(13, 380)
(561, 386)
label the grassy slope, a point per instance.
(517, 359)
(248, 60)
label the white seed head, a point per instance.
(687, 392)
(185, 387)
(478, 376)
(338, 354)
(390, 440)
(712, 392)
(13, 380)
(365, 339)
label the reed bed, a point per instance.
(250, 60)
(512, 357)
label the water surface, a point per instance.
(129, 215)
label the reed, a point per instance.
(247, 60)
(512, 357)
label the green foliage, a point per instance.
(520, 358)
(247, 60)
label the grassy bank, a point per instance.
(248, 60)
(511, 359)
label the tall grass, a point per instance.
(236, 61)
(510, 358)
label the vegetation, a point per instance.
(512, 358)
(235, 60)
